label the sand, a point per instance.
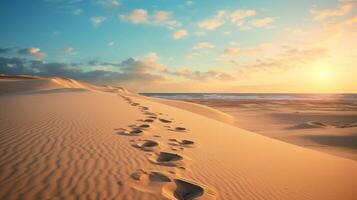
(63, 139)
(328, 126)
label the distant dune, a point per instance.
(65, 139)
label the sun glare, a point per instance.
(324, 75)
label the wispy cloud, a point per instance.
(97, 20)
(238, 17)
(70, 51)
(203, 45)
(108, 3)
(231, 51)
(262, 22)
(136, 16)
(77, 11)
(343, 9)
(142, 16)
(215, 22)
(179, 34)
(35, 52)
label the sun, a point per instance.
(324, 75)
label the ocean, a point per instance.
(252, 96)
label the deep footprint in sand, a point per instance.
(144, 108)
(165, 120)
(180, 129)
(184, 143)
(149, 120)
(133, 132)
(152, 176)
(145, 126)
(147, 145)
(167, 159)
(186, 190)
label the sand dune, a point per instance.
(310, 125)
(324, 125)
(101, 142)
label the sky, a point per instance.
(275, 46)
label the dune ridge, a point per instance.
(103, 142)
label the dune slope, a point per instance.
(77, 141)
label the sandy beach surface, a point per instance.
(63, 139)
(325, 125)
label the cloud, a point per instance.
(289, 58)
(136, 16)
(70, 51)
(97, 20)
(203, 45)
(262, 22)
(238, 17)
(342, 10)
(108, 3)
(141, 16)
(144, 70)
(179, 34)
(201, 76)
(35, 52)
(111, 43)
(5, 50)
(255, 50)
(215, 22)
(162, 16)
(77, 11)
(231, 51)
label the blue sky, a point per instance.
(220, 36)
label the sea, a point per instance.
(252, 96)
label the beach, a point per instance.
(65, 139)
(322, 122)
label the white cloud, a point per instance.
(97, 20)
(33, 51)
(108, 3)
(203, 45)
(344, 9)
(162, 16)
(180, 34)
(231, 51)
(211, 24)
(159, 18)
(137, 16)
(111, 43)
(262, 22)
(77, 11)
(70, 51)
(253, 51)
(238, 17)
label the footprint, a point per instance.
(147, 145)
(133, 132)
(181, 129)
(145, 126)
(149, 120)
(153, 176)
(135, 104)
(167, 159)
(185, 143)
(165, 120)
(144, 108)
(181, 189)
(149, 113)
